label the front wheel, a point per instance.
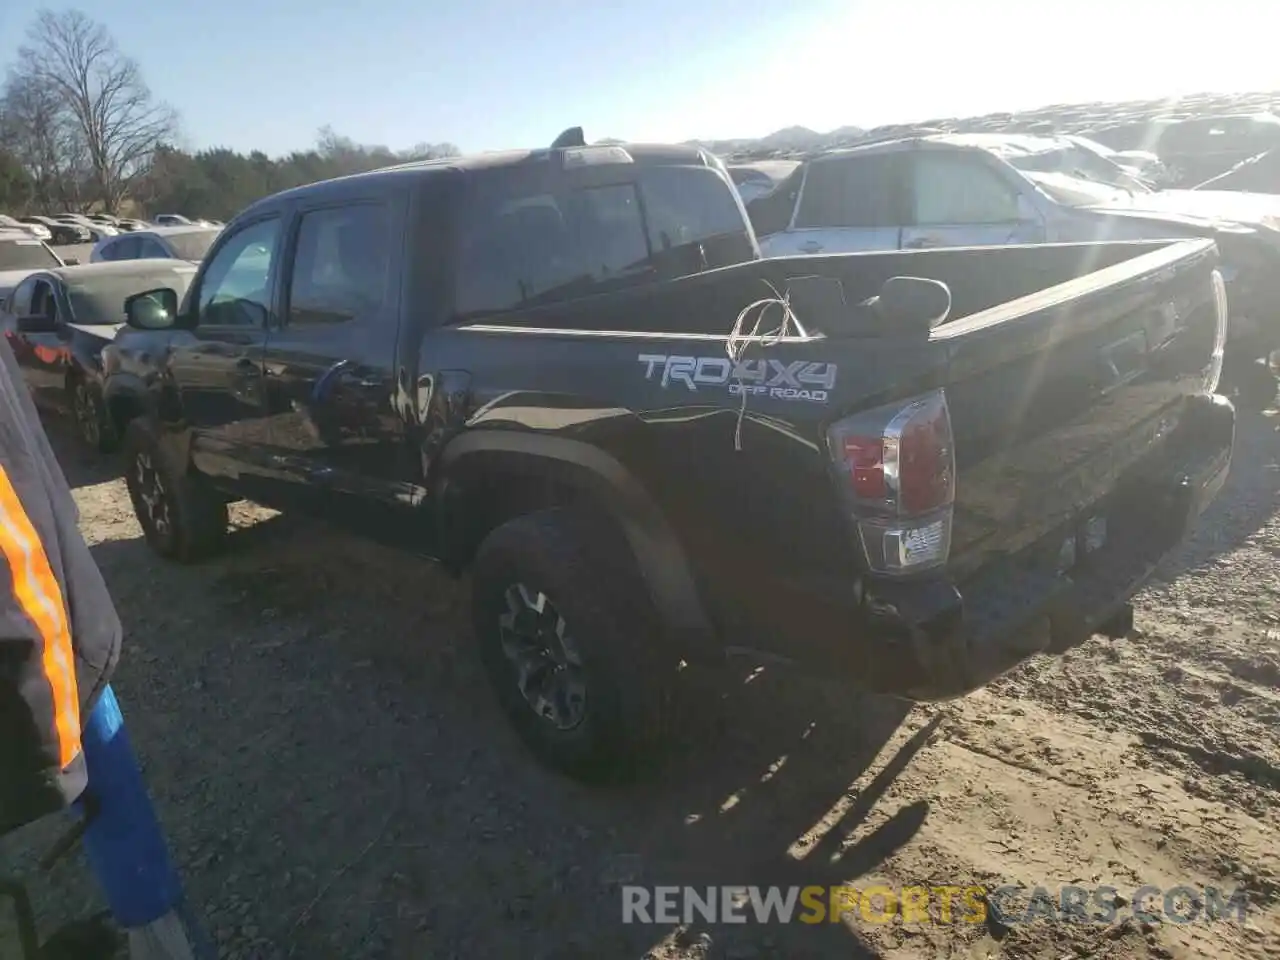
(569, 640)
(182, 517)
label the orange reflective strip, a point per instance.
(37, 593)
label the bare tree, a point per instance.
(45, 140)
(118, 122)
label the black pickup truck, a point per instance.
(543, 368)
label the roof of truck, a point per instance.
(639, 153)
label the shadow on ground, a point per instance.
(81, 466)
(337, 779)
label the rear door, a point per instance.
(329, 366)
(961, 198)
(847, 203)
(42, 354)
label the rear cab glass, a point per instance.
(540, 235)
(23, 254)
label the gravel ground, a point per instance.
(336, 781)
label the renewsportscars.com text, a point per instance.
(1011, 904)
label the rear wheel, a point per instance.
(568, 637)
(182, 517)
(93, 426)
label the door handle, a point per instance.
(811, 246)
(363, 383)
(920, 243)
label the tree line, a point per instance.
(81, 131)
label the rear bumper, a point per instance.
(934, 640)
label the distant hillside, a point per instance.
(1120, 124)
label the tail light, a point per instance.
(895, 467)
(1213, 372)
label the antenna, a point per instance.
(569, 138)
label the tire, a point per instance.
(93, 427)
(588, 590)
(182, 517)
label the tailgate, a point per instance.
(1054, 396)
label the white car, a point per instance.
(974, 190)
(97, 231)
(188, 243)
(1142, 163)
(21, 255)
(37, 230)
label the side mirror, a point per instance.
(37, 323)
(911, 304)
(152, 310)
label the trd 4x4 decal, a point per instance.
(766, 377)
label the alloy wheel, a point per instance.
(548, 669)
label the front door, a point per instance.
(330, 369)
(959, 199)
(217, 366)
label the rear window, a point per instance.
(26, 255)
(193, 245)
(855, 191)
(525, 248)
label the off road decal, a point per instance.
(805, 380)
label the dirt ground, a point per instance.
(336, 781)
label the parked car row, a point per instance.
(959, 190)
(543, 367)
(72, 228)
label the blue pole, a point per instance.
(125, 846)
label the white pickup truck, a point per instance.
(964, 190)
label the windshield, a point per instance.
(193, 245)
(523, 248)
(1080, 162)
(26, 255)
(1093, 146)
(100, 300)
(1076, 192)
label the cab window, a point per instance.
(235, 289)
(340, 264)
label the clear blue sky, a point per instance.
(494, 73)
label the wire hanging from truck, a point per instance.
(736, 345)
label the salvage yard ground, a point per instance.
(336, 781)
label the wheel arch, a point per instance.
(490, 477)
(126, 397)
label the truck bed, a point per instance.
(1067, 370)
